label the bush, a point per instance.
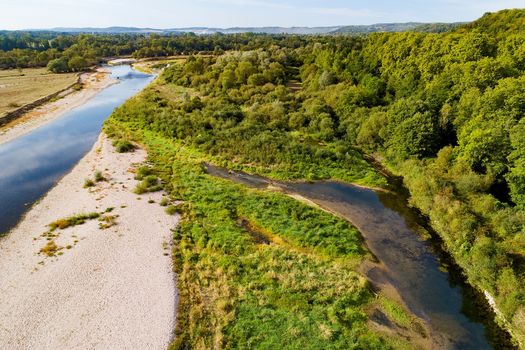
(172, 210)
(149, 183)
(99, 177)
(88, 183)
(123, 146)
(58, 65)
(142, 172)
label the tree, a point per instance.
(416, 136)
(78, 63)
(58, 65)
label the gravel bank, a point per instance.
(112, 288)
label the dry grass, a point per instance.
(18, 88)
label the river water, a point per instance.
(410, 261)
(31, 164)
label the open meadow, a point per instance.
(20, 87)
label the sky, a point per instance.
(31, 14)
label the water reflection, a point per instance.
(31, 164)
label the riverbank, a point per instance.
(92, 84)
(107, 283)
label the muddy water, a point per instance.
(409, 259)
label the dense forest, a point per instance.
(444, 111)
(78, 51)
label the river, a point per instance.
(410, 258)
(31, 164)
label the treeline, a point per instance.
(37, 49)
(446, 111)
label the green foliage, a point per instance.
(123, 146)
(415, 136)
(444, 111)
(58, 65)
(99, 176)
(72, 221)
(149, 183)
(77, 64)
(88, 183)
(295, 288)
(143, 171)
(172, 210)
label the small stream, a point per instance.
(31, 164)
(410, 256)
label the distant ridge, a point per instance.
(399, 27)
(354, 29)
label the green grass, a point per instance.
(296, 288)
(172, 210)
(72, 221)
(123, 146)
(149, 183)
(396, 312)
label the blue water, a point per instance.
(31, 164)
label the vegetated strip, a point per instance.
(296, 287)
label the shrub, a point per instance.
(99, 177)
(142, 172)
(123, 146)
(149, 183)
(172, 210)
(107, 221)
(49, 249)
(88, 183)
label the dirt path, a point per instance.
(107, 288)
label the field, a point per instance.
(20, 87)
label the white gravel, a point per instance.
(114, 289)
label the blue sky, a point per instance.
(21, 14)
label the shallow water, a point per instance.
(412, 264)
(31, 164)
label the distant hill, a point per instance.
(105, 30)
(357, 29)
(201, 30)
(398, 27)
(265, 30)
